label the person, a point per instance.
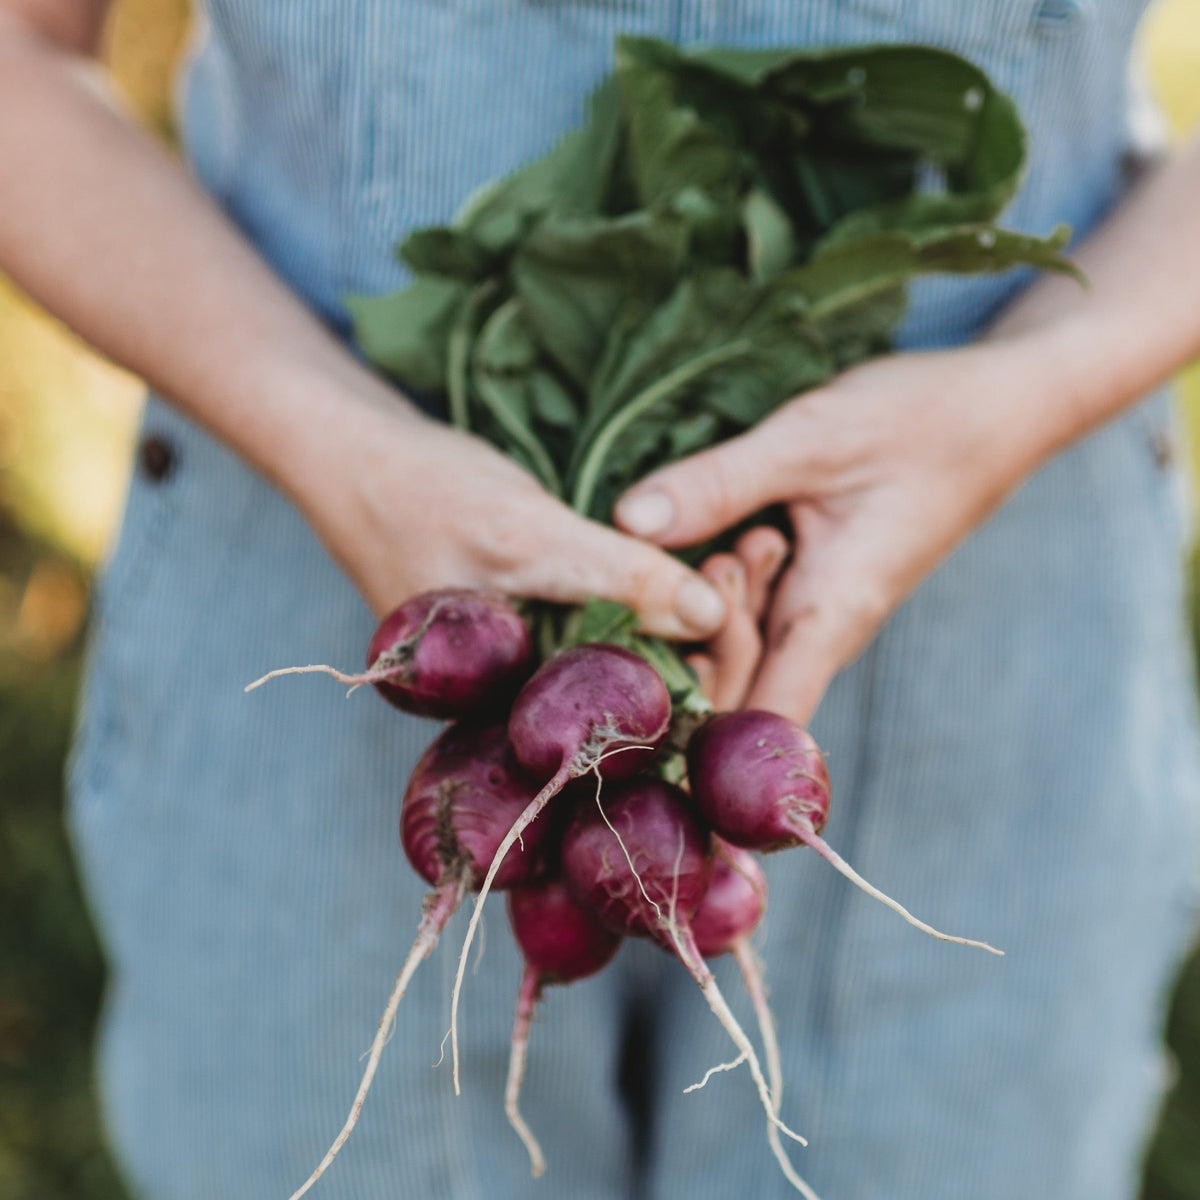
(983, 598)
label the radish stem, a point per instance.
(590, 465)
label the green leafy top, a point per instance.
(730, 228)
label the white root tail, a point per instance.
(685, 947)
(439, 908)
(689, 955)
(527, 998)
(831, 856)
(532, 810)
(382, 675)
(731, 1065)
(752, 977)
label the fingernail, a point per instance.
(646, 513)
(699, 606)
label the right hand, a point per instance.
(406, 504)
(726, 666)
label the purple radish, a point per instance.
(560, 942)
(592, 708)
(723, 924)
(630, 892)
(734, 903)
(761, 781)
(447, 654)
(640, 859)
(463, 795)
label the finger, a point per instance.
(821, 618)
(762, 550)
(706, 673)
(577, 560)
(734, 650)
(700, 496)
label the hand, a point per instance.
(727, 665)
(882, 472)
(405, 504)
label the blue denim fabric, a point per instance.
(1015, 756)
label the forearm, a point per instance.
(1136, 323)
(100, 226)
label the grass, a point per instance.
(1173, 1160)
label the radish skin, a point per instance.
(448, 653)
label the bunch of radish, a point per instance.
(634, 853)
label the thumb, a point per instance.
(579, 559)
(701, 496)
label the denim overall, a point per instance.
(1015, 756)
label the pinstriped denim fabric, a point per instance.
(1015, 756)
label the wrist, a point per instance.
(1060, 387)
(309, 426)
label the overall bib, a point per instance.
(1014, 758)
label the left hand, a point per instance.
(883, 471)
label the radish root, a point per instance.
(531, 813)
(439, 908)
(685, 947)
(382, 670)
(379, 675)
(689, 954)
(731, 1065)
(831, 856)
(527, 998)
(751, 969)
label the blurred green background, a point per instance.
(66, 431)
